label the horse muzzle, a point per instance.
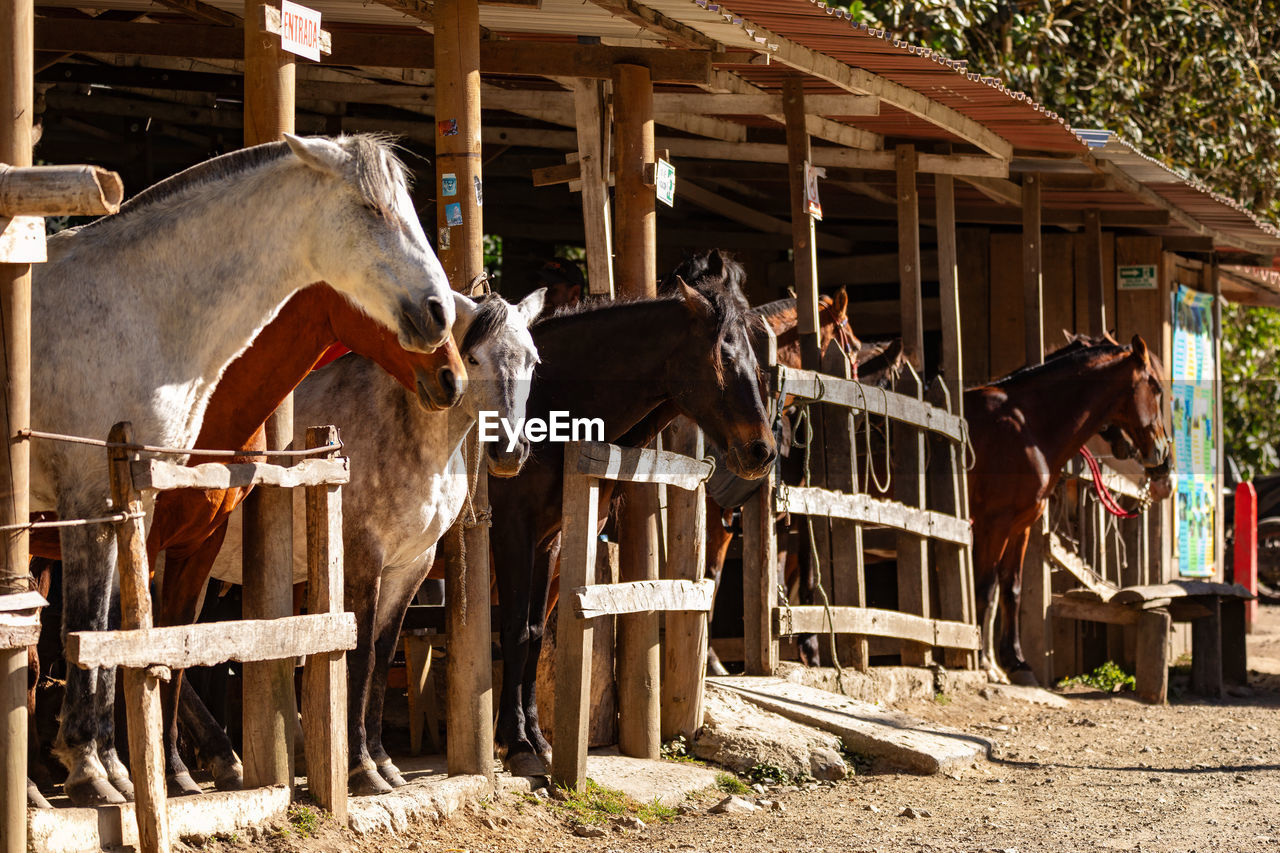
(426, 326)
(440, 390)
(752, 460)
(504, 463)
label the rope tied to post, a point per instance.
(187, 451)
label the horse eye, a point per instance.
(374, 209)
(473, 361)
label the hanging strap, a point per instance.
(1108, 500)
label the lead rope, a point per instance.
(1108, 500)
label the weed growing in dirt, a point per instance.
(731, 784)
(596, 804)
(767, 774)
(304, 820)
(1108, 677)
(942, 698)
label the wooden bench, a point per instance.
(1215, 611)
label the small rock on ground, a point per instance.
(734, 805)
(584, 830)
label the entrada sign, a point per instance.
(300, 30)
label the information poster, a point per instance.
(1195, 443)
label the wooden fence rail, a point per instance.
(147, 654)
(684, 598)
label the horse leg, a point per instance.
(719, 537)
(987, 551)
(1010, 599)
(806, 644)
(396, 591)
(513, 559)
(539, 590)
(361, 594)
(89, 560)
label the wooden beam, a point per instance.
(949, 291)
(752, 217)
(804, 247)
(158, 475)
(1032, 270)
(872, 622)
(641, 465)
(909, 293)
(996, 189)
(593, 168)
(869, 510)
(614, 599)
(808, 385)
(1092, 277)
(204, 12)
(762, 104)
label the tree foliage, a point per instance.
(1192, 83)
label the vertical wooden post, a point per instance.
(1151, 669)
(639, 659)
(578, 538)
(803, 239)
(324, 680)
(909, 299)
(760, 558)
(1206, 650)
(1092, 276)
(1032, 270)
(949, 291)
(848, 574)
(588, 100)
(141, 686)
(954, 562)
(468, 667)
(17, 81)
(686, 632)
(270, 707)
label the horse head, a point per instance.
(833, 327)
(1137, 426)
(500, 355)
(366, 238)
(717, 381)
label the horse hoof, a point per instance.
(35, 799)
(182, 785)
(365, 780)
(391, 774)
(1024, 678)
(526, 764)
(228, 775)
(94, 791)
(714, 667)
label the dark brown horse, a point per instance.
(687, 352)
(1025, 428)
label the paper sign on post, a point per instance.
(664, 178)
(1137, 277)
(300, 30)
(811, 175)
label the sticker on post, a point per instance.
(443, 242)
(479, 191)
(1137, 277)
(449, 184)
(448, 127)
(664, 179)
(453, 213)
(811, 175)
(300, 30)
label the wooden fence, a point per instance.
(928, 512)
(682, 595)
(148, 654)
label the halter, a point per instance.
(848, 343)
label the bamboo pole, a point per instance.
(17, 81)
(270, 707)
(465, 550)
(639, 664)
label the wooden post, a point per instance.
(270, 706)
(469, 667)
(848, 574)
(17, 81)
(954, 562)
(949, 291)
(593, 133)
(760, 558)
(909, 299)
(141, 686)
(1151, 670)
(913, 551)
(1206, 650)
(1092, 276)
(803, 238)
(1032, 270)
(578, 537)
(686, 631)
(324, 680)
(639, 659)
(1034, 617)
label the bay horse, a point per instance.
(409, 483)
(620, 362)
(1024, 428)
(141, 312)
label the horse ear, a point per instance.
(715, 263)
(319, 153)
(466, 310)
(840, 303)
(531, 306)
(1140, 349)
(697, 304)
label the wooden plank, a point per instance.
(974, 248)
(753, 217)
(869, 510)
(209, 643)
(593, 169)
(1089, 275)
(578, 538)
(1152, 657)
(19, 637)
(949, 291)
(909, 471)
(324, 680)
(20, 601)
(872, 622)
(705, 103)
(642, 597)
(685, 640)
(953, 564)
(1235, 649)
(22, 240)
(1206, 652)
(1007, 328)
(1035, 614)
(1068, 607)
(1059, 291)
(809, 385)
(141, 684)
(158, 475)
(641, 465)
(760, 579)
(59, 191)
(269, 22)
(909, 293)
(1070, 562)
(1032, 271)
(804, 247)
(1180, 589)
(997, 189)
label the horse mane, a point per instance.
(1074, 353)
(369, 151)
(489, 320)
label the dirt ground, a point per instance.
(1108, 773)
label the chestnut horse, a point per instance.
(619, 362)
(1024, 429)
